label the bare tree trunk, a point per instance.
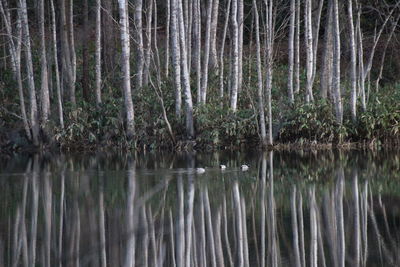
(394, 27)
(240, 22)
(98, 52)
(336, 64)
(72, 47)
(290, 49)
(185, 77)
(85, 52)
(197, 46)
(353, 72)
(327, 55)
(67, 73)
(167, 39)
(297, 50)
(45, 98)
(15, 52)
(176, 57)
(269, 58)
(259, 78)
(309, 49)
(206, 54)
(235, 56)
(222, 53)
(125, 44)
(139, 50)
(361, 61)
(316, 26)
(34, 118)
(213, 41)
(56, 65)
(147, 54)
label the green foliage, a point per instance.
(313, 122)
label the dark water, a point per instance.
(288, 209)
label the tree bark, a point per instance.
(185, 75)
(176, 57)
(263, 134)
(148, 51)
(353, 63)
(206, 54)
(125, 44)
(309, 49)
(85, 52)
(327, 55)
(213, 41)
(15, 52)
(336, 64)
(45, 98)
(291, 50)
(56, 65)
(235, 56)
(34, 118)
(98, 52)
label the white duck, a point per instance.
(244, 167)
(222, 167)
(200, 170)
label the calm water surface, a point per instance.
(289, 209)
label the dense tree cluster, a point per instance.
(55, 48)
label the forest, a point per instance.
(202, 74)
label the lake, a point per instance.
(303, 208)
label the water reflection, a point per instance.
(289, 209)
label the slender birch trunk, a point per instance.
(197, 46)
(138, 37)
(44, 90)
(176, 57)
(316, 27)
(206, 54)
(15, 52)
(167, 39)
(222, 52)
(353, 62)
(147, 53)
(34, 116)
(297, 50)
(185, 76)
(269, 58)
(327, 55)
(309, 49)
(336, 64)
(71, 37)
(290, 49)
(125, 44)
(98, 53)
(67, 74)
(240, 22)
(56, 65)
(213, 40)
(361, 61)
(259, 78)
(85, 52)
(235, 56)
